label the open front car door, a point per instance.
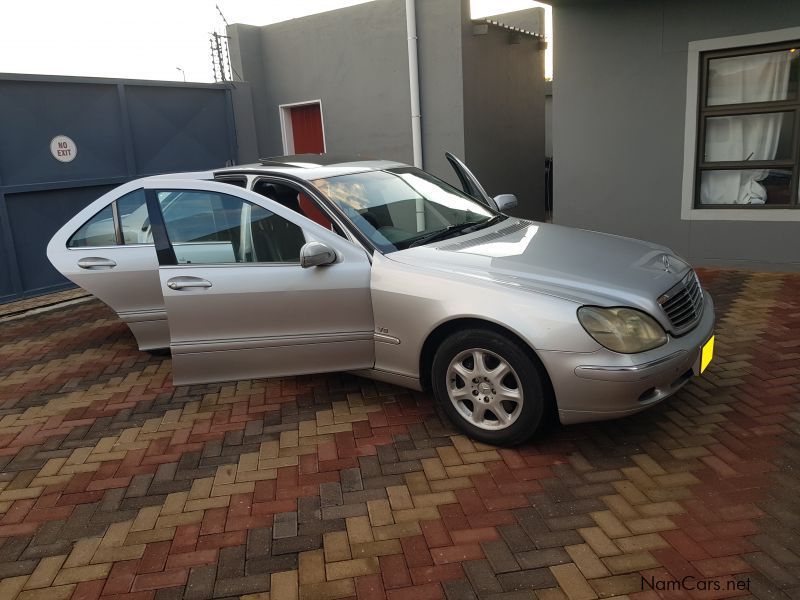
(253, 289)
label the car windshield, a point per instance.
(400, 207)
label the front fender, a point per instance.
(410, 302)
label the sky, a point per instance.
(151, 39)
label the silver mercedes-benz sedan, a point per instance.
(311, 264)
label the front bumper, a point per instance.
(606, 384)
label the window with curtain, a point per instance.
(749, 128)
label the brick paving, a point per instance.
(21, 306)
(115, 484)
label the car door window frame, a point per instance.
(69, 245)
(342, 230)
(163, 244)
(351, 232)
(117, 225)
(164, 251)
(116, 219)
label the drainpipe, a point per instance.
(416, 117)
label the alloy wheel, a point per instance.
(484, 388)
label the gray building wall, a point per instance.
(481, 97)
(441, 84)
(504, 114)
(244, 120)
(246, 57)
(618, 131)
(354, 60)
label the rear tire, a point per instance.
(489, 387)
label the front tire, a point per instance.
(489, 387)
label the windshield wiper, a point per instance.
(440, 234)
(488, 222)
(467, 227)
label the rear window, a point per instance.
(100, 231)
(97, 231)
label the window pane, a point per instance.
(211, 228)
(398, 207)
(133, 217)
(98, 231)
(766, 136)
(273, 238)
(763, 77)
(296, 200)
(751, 186)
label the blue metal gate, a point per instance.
(122, 129)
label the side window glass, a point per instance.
(296, 200)
(97, 231)
(213, 228)
(134, 222)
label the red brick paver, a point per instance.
(114, 484)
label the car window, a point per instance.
(97, 231)
(398, 207)
(134, 222)
(213, 228)
(296, 200)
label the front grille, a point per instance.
(683, 304)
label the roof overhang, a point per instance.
(528, 23)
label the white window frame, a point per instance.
(688, 210)
(285, 111)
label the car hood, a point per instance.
(579, 265)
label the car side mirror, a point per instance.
(505, 201)
(316, 254)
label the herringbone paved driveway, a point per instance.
(116, 484)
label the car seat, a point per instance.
(310, 209)
(283, 195)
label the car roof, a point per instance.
(312, 166)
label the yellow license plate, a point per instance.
(707, 354)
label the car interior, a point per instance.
(216, 228)
(212, 228)
(295, 200)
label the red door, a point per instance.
(307, 129)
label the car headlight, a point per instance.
(622, 329)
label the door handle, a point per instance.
(96, 262)
(178, 283)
